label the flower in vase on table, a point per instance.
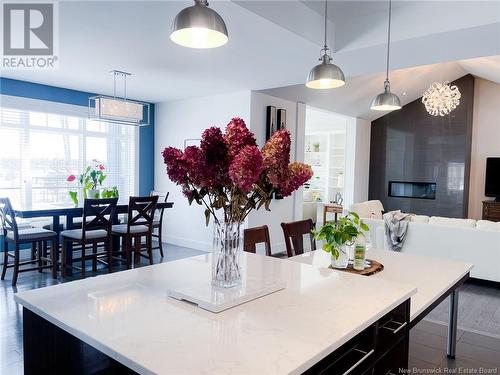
(229, 172)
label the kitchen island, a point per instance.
(436, 279)
(124, 322)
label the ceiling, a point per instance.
(355, 97)
(271, 43)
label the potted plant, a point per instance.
(90, 180)
(230, 176)
(316, 147)
(338, 235)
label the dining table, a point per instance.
(68, 211)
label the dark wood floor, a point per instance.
(427, 340)
(474, 351)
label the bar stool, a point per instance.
(294, 236)
(37, 237)
(98, 218)
(158, 222)
(254, 236)
(141, 212)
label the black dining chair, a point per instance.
(158, 221)
(98, 218)
(141, 211)
(36, 237)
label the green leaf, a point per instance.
(102, 177)
(354, 214)
(364, 227)
(73, 195)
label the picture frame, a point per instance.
(271, 123)
(281, 119)
(192, 142)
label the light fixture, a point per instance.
(325, 75)
(198, 26)
(441, 98)
(119, 110)
(387, 101)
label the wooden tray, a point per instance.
(375, 267)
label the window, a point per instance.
(41, 143)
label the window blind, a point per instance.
(41, 143)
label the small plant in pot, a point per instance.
(339, 235)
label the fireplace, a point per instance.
(415, 190)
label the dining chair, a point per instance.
(158, 221)
(294, 236)
(141, 211)
(254, 236)
(98, 218)
(36, 237)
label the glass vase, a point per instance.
(226, 254)
(343, 259)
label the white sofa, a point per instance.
(453, 239)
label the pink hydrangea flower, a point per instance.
(276, 155)
(238, 136)
(297, 174)
(246, 168)
(176, 166)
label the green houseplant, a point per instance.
(90, 180)
(338, 235)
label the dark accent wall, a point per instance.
(410, 145)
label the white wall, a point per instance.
(286, 209)
(362, 160)
(485, 140)
(357, 162)
(175, 122)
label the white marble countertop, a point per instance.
(128, 316)
(431, 276)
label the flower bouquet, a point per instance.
(229, 174)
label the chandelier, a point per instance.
(441, 98)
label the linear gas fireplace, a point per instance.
(416, 190)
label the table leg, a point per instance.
(56, 227)
(452, 324)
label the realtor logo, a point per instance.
(28, 35)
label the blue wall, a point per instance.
(57, 94)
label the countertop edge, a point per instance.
(305, 366)
(86, 339)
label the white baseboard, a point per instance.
(188, 242)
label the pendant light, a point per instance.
(387, 101)
(198, 26)
(116, 109)
(325, 75)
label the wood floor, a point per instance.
(427, 339)
(478, 306)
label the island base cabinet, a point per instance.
(381, 349)
(50, 350)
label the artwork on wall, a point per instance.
(271, 123)
(191, 142)
(281, 119)
(275, 120)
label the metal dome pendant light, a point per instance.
(387, 101)
(198, 26)
(325, 75)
